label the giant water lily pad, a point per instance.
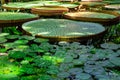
(19, 5)
(15, 19)
(104, 17)
(62, 29)
(15, 16)
(49, 10)
(113, 6)
(111, 1)
(69, 5)
(29, 5)
(92, 4)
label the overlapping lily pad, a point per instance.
(104, 17)
(29, 5)
(2, 40)
(62, 29)
(49, 10)
(113, 6)
(92, 4)
(110, 46)
(14, 18)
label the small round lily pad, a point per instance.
(27, 37)
(115, 60)
(39, 40)
(83, 76)
(21, 41)
(3, 34)
(109, 46)
(63, 74)
(12, 36)
(9, 45)
(3, 40)
(2, 50)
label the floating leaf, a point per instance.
(26, 37)
(63, 43)
(103, 77)
(63, 74)
(75, 71)
(109, 46)
(16, 54)
(3, 40)
(53, 70)
(68, 59)
(2, 50)
(12, 36)
(115, 60)
(3, 34)
(55, 28)
(78, 62)
(45, 77)
(24, 62)
(88, 14)
(9, 45)
(113, 6)
(22, 47)
(39, 40)
(21, 41)
(16, 16)
(83, 76)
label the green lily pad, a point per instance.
(75, 71)
(78, 62)
(109, 46)
(27, 37)
(3, 34)
(9, 45)
(63, 43)
(16, 16)
(55, 28)
(113, 6)
(115, 60)
(2, 50)
(103, 77)
(39, 40)
(21, 41)
(68, 5)
(63, 74)
(68, 59)
(16, 54)
(3, 40)
(83, 76)
(12, 36)
(21, 47)
(93, 15)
